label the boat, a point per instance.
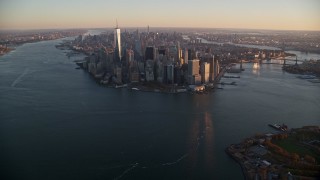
(278, 127)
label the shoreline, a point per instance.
(243, 170)
(264, 156)
(311, 67)
(4, 51)
(146, 86)
(169, 89)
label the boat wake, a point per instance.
(126, 171)
(133, 166)
(175, 162)
(18, 80)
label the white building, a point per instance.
(117, 41)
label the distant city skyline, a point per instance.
(246, 14)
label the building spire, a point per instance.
(116, 23)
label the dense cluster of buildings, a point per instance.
(129, 57)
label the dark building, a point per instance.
(177, 75)
(149, 53)
(189, 54)
(162, 51)
(165, 77)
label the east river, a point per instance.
(56, 122)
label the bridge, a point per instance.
(281, 59)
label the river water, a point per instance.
(57, 123)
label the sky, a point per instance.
(244, 14)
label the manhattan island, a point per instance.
(163, 61)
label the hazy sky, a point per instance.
(256, 14)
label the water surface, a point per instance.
(57, 123)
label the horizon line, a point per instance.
(160, 27)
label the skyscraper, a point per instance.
(117, 42)
(193, 72)
(205, 71)
(212, 68)
(149, 54)
(186, 59)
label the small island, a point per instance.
(293, 154)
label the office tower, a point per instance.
(117, 42)
(118, 74)
(149, 54)
(193, 67)
(211, 61)
(177, 75)
(193, 72)
(170, 74)
(159, 71)
(162, 50)
(205, 72)
(155, 54)
(186, 56)
(134, 72)
(129, 56)
(216, 68)
(149, 70)
(189, 54)
(178, 51)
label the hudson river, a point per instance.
(56, 122)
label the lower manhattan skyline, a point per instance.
(248, 14)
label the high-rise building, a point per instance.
(205, 71)
(193, 67)
(186, 56)
(149, 70)
(129, 56)
(211, 61)
(189, 54)
(170, 74)
(193, 72)
(159, 71)
(179, 52)
(117, 42)
(118, 74)
(216, 68)
(149, 54)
